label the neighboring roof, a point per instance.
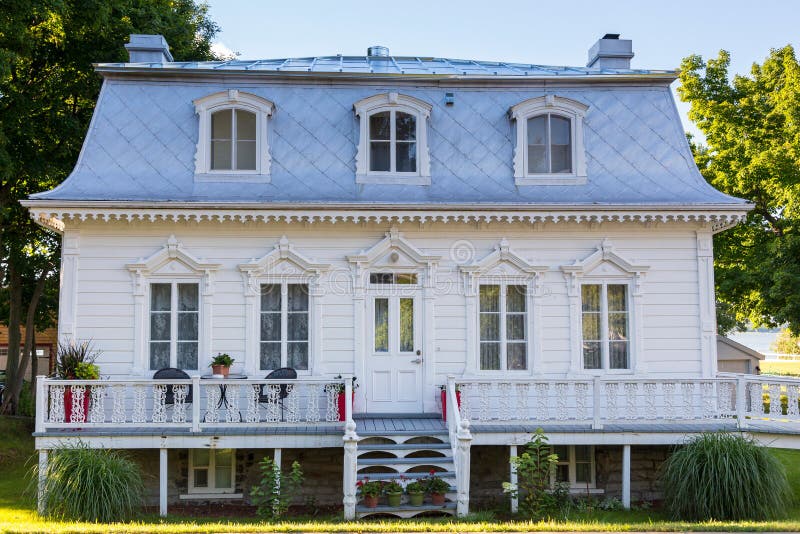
(739, 347)
(384, 65)
(141, 143)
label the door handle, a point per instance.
(418, 360)
(419, 352)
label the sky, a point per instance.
(548, 32)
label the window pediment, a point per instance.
(604, 263)
(393, 253)
(171, 261)
(232, 142)
(559, 147)
(393, 140)
(282, 262)
(503, 262)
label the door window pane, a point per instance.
(381, 325)
(406, 325)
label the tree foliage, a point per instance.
(48, 90)
(786, 343)
(752, 150)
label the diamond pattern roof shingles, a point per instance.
(142, 142)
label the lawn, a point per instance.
(17, 510)
(780, 367)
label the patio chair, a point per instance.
(284, 373)
(170, 373)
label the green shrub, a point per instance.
(535, 468)
(276, 490)
(724, 477)
(84, 484)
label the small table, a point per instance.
(223, 389)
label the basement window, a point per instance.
(212, 471)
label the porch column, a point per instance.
(350, 469)
(462, 459)
(626, 476)
(42, 477)
(162, 485)
(514, 497)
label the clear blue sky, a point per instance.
(548, 32)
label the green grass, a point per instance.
(17, 513)
(780, 367)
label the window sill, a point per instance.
(393, 179)
(203, 496)
(244, 177)
(550, 179)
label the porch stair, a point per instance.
(404, 448)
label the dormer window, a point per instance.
(393, 146)
(232, 137)
(549, 137)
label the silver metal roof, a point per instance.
(386, 65)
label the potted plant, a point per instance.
(75, 361)
(340, 395)
(437, 488)
(416, 493)
(443, 394)
(394, 492)
(370, 491)
(221, 364)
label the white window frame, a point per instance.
(393, 103)
(232, 99)
(212, 489)
(567, 108)
(503, 322)
(572, 465)
(605, 357)
(173, 342)
(284, 286)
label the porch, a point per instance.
(314, 413)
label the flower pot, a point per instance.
(437, 499)
(340, 402)
(393, 499)
(68, 398)
(223, 370)
(370, 501)
(415, 498)
(444, 403)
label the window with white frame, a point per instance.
(284, 326)
(212, 470)
(605, 325)
(393, 143)
(575, 466)
(174, 325)
(503, 327)
(549, 141)
(232, 138)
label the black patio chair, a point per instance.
(170, 373)
(284, 373)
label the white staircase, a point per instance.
(404, 454)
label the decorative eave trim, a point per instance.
(55, 216)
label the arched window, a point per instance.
(393, 143)
(549, 141)
(232, 140)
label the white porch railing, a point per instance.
(744, 398)
(192, 404)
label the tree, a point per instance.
(752, 129)
(786, 343)
(48, 89)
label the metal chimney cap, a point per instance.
(378, 51)
(611, 36)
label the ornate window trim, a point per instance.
(232, 99)
(564, 107)
(503, 266)
(172, 263)
(282, 265)
(393, 102)
(606, 266)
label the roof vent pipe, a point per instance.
(148, 49)
(611, 52)
(377, 51)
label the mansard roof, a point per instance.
(141, 143)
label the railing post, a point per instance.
(41, 502)
(41, 402)
(350, 453)
(462, 465)
(196, 404)
(597, 393)
(512, 452)
(741, 400)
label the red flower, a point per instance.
(433, 472)
(360, 483)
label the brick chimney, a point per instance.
(148, 49)
(611, 52)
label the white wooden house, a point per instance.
(536, 239)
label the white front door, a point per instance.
(394, 356)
